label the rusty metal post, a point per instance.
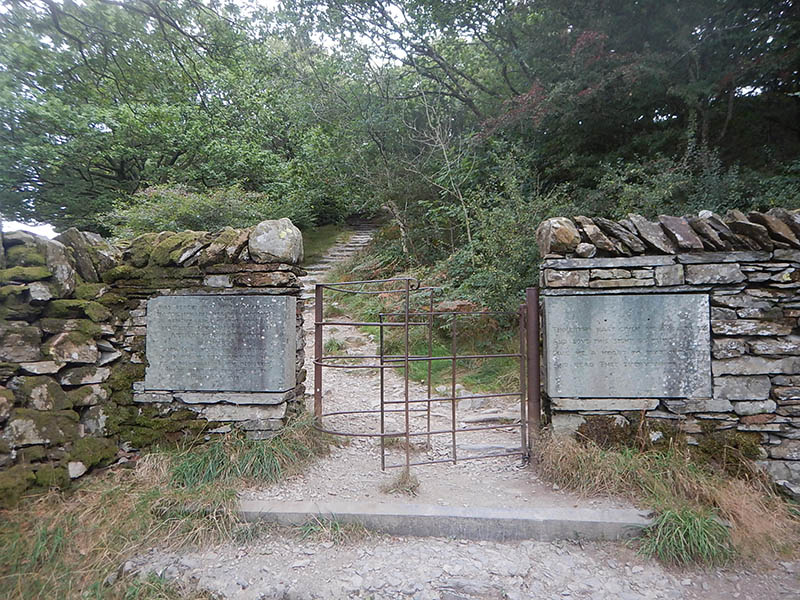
(383, 398)
(523, 405)
(406, 365)
(318, 353)
(534, 364)
(430, 365)
(453, 387)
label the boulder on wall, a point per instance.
(558, 235)
(277, 241)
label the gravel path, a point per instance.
(279, 564)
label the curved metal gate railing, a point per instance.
(417, 311)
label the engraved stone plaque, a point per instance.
(627, 346)
(221, 343)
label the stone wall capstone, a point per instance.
(745, 267)
(73, 332)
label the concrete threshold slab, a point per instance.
(473, 523)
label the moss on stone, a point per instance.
(55, 426)
(76, 338)
(150, 427)
(138, 253)
(79, 396)
(15, 306)
(13, 483)
(24, 274)
(630, 432)
(728, 450)
(122, 272)
(12, 290)
(124, 374)
(24, 255)
(88, 291)
(75, 309)
(170, 249)
(7, 370)
(85, 326)
(113, 301)
(52, 476)
(42, 393)
(5, 447)
(31, 454)
(92, 451)
(117, 416)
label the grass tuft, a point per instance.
(332, 346)
(688, 536)
(321, 529)
(686, 497)
(405, 483)
(232, 457)
(66, 545)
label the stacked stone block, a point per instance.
(749, 266)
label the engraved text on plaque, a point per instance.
(221, 343)
(627, 346)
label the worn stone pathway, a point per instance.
(279, 564)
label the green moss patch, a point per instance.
(15, 306)
(76, 309)
(88, 395)
(113, 301)
(24, 274)
(138, 253)
(42, 393)
(124, 374)
(169, 250)
(84, 326)
(25, 256)
(630, 432)
(55, 426)
(729, 450)
(31, 454)
(122, 272)
(13, 483)
(7, 370)
(8, 291)
(51, 476)
(93, 451)
(88, 291)
(150, 427)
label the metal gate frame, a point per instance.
(529, 389)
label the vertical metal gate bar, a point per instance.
(407, 375)
(534, 373)
(523, 406)
(430, 364)
(453, 388)
(383, 387)
(318, 353)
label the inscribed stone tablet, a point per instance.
(627, 346)
(221, 343)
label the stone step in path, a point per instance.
(472, 523)
(359, 237)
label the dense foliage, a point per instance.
(466, 121)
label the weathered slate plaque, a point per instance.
(627, 346)
(221, 343)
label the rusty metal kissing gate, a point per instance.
(417, 311)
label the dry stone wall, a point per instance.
(73, 333)
(747, 268)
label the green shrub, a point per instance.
(178, 208)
